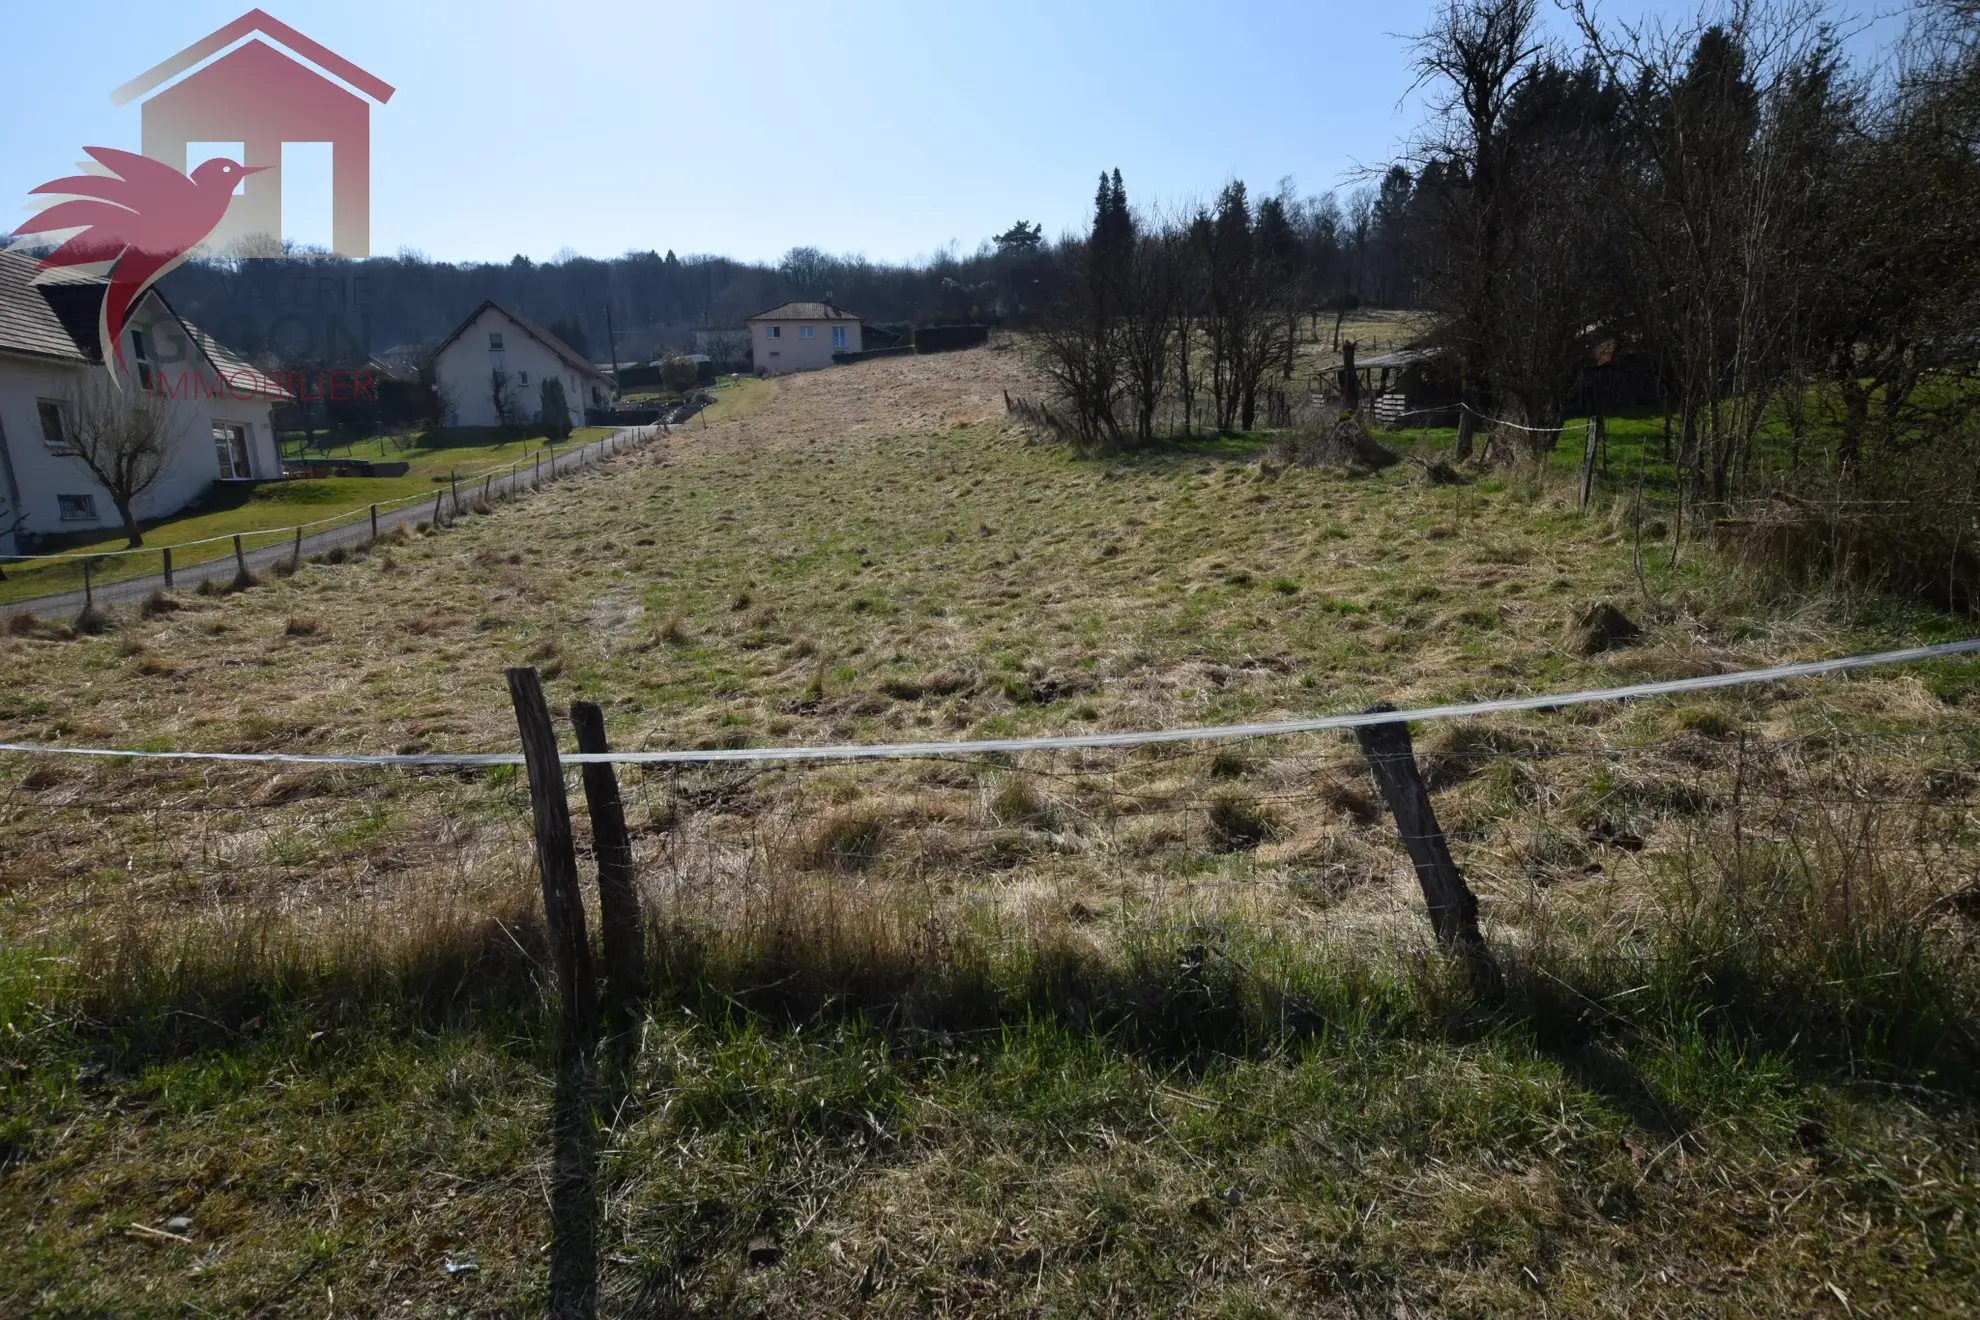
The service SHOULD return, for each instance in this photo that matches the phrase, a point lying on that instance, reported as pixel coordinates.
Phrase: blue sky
(884, 128)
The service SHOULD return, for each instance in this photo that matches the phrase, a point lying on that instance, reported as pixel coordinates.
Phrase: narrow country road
(64, 604)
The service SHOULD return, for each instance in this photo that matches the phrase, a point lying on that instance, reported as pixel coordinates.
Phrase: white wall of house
(801, 345)
(57, 493)
(466, 370)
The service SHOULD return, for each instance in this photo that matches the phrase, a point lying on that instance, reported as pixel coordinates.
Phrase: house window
(494, 341)
(522, 378)
(807, 332)
(838, 336)
(230, 446)
(143, 359)
(54, 425)
(77, 508)
(773, 332)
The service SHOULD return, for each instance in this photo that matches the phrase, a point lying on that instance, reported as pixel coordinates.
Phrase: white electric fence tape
(881, 751)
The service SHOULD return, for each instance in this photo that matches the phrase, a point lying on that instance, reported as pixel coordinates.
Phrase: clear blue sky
(884, 128)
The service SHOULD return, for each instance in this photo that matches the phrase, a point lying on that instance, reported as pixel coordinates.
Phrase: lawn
(1096, 1032)
(270, 509)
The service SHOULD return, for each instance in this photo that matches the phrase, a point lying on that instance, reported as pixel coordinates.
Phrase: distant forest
(307, 310)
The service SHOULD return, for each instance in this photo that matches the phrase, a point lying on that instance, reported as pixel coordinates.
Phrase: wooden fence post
(487, 483)
(295, 555)
(538, 479)
(240, 560)
(374, 524)
(556, 857)
(89, 598)
(623, 931)
(1453, 907)
(437, 496)
(167, 553)
(1588, 448)
(454, 484)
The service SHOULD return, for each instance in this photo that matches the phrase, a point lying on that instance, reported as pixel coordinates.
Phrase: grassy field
(432, 459)
(1087, 1033)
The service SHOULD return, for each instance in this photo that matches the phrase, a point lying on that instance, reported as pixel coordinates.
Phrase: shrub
(678, 374)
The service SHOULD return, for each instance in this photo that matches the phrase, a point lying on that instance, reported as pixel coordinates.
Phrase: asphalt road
(67, 604)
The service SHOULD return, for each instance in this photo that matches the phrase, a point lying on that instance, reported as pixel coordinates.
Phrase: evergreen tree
(556, 410)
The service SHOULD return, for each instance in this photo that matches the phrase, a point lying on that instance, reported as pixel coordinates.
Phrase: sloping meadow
(1162, 1029)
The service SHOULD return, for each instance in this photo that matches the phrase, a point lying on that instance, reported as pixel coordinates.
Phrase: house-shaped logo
(262, 96)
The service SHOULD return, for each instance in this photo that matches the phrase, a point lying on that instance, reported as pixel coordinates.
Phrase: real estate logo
(145, 214)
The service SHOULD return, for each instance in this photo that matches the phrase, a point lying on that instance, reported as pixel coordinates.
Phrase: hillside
(1152, 1031)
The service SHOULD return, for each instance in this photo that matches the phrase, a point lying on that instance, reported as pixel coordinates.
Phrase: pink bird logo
(145, 218)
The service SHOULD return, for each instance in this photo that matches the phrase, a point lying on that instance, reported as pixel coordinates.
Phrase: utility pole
(612, 347)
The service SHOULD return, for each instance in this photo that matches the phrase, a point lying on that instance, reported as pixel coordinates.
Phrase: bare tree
(1475, 59)
(1079, 344)
(1156, 287)
(1722, 199)
(1250, 299)
(123, 437)
(506, 395)
(1077, 348)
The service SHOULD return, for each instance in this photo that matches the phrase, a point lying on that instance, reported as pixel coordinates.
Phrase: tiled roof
(53, 314)
(805, 311)
(28, 323)
(241, 377)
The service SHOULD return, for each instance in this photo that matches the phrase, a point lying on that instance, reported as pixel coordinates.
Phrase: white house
(217, 405)
(801, 336)
(495, 362)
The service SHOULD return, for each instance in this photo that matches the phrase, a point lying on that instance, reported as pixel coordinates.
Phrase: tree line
(1784, 245)
(1791, 241)
(302, 311)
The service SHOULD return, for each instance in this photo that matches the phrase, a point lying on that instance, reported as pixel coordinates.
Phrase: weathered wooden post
(89, 598)
(1588, 449)
(454, 484)
(374, 524)
(240, 560)
(1453, 907)
(556, 857)
(167, 554)
(295, 555)
(537, 480)
(487, 483)
(437, 496)
(623, 930)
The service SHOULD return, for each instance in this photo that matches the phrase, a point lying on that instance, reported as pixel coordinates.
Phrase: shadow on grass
(1186, 997)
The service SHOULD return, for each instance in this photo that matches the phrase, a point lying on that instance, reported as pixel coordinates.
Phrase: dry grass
(1019, 1035)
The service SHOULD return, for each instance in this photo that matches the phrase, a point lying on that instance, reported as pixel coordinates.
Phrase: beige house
(801, 336)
